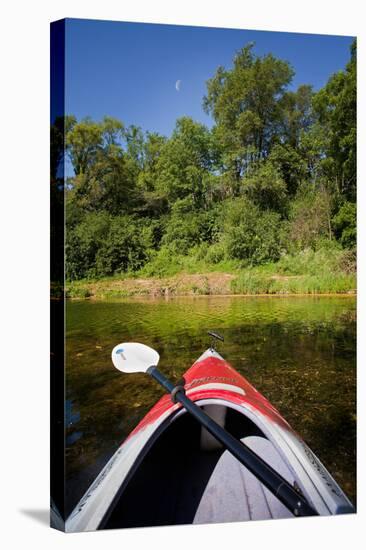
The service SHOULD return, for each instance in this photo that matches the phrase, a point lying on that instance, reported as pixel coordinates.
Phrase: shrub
(330, 260)
(345, 225)
(126, 247)
(310, 218)
(182, 233)
(162, 263)
(186, 229)
(75, 291)
(266, 188)
(250, 234)
(216, 253)
(82, 244)
(103, 244)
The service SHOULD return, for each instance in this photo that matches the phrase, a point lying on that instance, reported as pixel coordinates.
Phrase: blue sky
(129, 70)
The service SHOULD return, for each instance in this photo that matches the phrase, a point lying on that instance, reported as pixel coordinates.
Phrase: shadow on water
(300, 352)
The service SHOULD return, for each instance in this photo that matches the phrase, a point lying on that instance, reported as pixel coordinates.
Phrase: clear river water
(300, 352)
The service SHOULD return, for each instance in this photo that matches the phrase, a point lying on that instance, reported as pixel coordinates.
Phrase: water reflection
(299, 352)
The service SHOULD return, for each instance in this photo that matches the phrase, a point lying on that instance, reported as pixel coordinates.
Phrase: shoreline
(143, 297)
(213, 284)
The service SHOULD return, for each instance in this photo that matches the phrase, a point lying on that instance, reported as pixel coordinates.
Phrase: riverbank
(249, 282)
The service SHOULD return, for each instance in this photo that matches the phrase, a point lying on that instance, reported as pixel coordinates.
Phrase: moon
(177, 85)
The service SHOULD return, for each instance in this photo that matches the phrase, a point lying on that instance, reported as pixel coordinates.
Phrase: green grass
(316, 284)
(310, 262)
(253, 283)
(165, 264)
(250, 282)
(120, 293)
(325, 271)
(77, 290)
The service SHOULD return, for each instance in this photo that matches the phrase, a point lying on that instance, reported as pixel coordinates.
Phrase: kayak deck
(179, 482)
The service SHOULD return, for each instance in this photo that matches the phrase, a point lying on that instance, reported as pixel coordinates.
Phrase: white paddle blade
(134, 357)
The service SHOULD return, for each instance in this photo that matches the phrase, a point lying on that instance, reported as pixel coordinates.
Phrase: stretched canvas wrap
(203, 277)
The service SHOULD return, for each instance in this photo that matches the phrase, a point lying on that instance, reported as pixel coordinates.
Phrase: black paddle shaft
(271, 479)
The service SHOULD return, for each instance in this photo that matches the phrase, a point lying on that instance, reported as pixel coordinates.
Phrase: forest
(269, 189)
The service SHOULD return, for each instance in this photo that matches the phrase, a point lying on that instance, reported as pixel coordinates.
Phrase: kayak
(171, 470)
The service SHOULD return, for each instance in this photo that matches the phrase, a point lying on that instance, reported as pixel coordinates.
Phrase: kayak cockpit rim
(169, 423)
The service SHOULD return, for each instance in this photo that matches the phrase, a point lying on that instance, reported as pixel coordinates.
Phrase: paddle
(133, 357)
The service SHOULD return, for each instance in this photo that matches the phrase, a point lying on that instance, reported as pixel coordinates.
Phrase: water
(300, 352)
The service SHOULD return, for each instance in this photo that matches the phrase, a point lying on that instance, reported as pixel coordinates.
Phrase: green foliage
(266, 188)
(309, 218)
(155, 202)
(83, 243)
(102, 245)
(250, 282)
(184, 163)
(187, 227)
(135, 144)
(108, 186)
(312, 149)
(325, 283)
(163, 263)
(297, 115)
(307, 272)
(77, 291)
(274, 180)
(60, 127)
(290, 165)
(126, 247)
(335, 108)
(83, 141)
(250, 234)
(246, 103)
(345, 225)
(182, 233)
(313, 262)
(216, 253)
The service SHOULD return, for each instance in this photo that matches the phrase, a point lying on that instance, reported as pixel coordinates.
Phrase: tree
(186, 227)
(266, 188)
(83, 141)
(135, 142)
(102, 244)
(108, 185)
(290, 165)
(247, 105)
(297, 115)
(82, 245)
(86, 139)
(335, 108)
(313, 151)
(112, 131)
(126, 247)
(184, 163)
(310, 218)
(345, 225)
(105, 174)
(155, 201)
